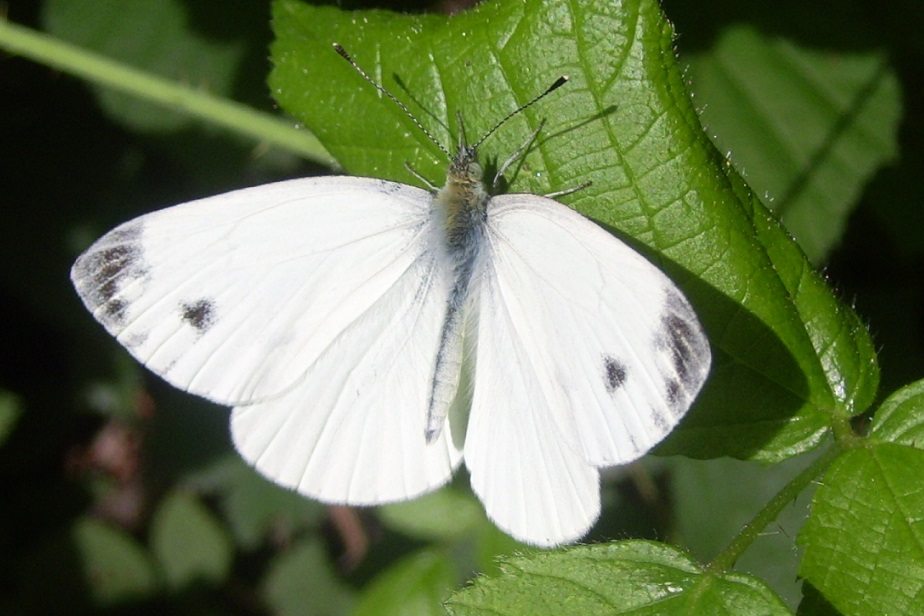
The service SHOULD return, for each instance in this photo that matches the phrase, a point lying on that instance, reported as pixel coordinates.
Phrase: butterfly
(371, 336)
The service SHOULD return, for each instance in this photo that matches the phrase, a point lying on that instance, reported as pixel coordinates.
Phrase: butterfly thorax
(463, 199)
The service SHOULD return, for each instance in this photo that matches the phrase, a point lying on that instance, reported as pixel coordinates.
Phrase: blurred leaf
(808, 128)
(786, 350)
(630, 577)
(189, 542)
(257, 508)
(301, 582)
(85, 567)
(444, 514)
(116, 568)
(864, 540)
(156, 36)
(10, 410)
(414, 586)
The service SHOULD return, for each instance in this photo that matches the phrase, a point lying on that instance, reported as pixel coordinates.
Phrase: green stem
(103, 71)
(729, 556)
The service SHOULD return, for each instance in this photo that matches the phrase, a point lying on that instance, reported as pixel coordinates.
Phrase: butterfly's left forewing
(587, 356)
(313, 306)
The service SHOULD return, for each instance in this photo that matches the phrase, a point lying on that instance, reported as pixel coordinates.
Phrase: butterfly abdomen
(463, 201)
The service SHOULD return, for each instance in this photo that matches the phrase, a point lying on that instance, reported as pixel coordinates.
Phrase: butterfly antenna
(343, 54)
(558, 83)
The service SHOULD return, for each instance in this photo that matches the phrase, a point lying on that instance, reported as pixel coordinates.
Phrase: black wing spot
(614, 372)
(200, 314)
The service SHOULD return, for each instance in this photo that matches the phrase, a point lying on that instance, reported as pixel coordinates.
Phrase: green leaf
(189, 542)
(158, 36)
(789, 359)
(808, 128)
(900, 419)
(301, 582)
(444, 514)
(116, 569)
(415, 585)
(257, 508)
(864, 540)
(630, 577)
(10, 410)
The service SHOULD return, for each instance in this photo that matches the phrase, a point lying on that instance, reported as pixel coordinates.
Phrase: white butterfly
(372, 335)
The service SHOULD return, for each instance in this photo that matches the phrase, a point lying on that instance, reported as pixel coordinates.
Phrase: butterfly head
(463, 197)
(464, 168)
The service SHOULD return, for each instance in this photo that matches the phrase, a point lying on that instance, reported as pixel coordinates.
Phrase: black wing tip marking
(103, 271)
(682, 337)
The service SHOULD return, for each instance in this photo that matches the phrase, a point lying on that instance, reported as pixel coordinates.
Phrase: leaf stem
(45, 49)
(727, 558)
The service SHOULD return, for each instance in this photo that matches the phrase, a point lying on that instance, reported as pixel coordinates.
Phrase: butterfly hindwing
(352, 430)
